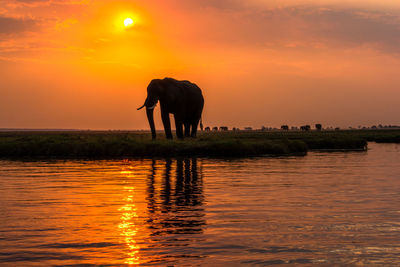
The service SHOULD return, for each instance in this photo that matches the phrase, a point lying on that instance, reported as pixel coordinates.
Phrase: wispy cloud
(34, 26)
(313, 25)
(15, 25)
(36, 3)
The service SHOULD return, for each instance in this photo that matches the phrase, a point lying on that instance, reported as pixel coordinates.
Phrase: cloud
(218, 4)
(37, 3)
(305, 25)
(32, 1)
(11, 25)
(357, 27)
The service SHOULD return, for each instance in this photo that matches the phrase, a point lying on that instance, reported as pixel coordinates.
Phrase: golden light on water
(128, 227)
(129, 231)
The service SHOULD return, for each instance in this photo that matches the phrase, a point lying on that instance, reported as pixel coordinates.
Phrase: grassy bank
(117, 145)
(91, 144)
(338, 140)
(381, 136)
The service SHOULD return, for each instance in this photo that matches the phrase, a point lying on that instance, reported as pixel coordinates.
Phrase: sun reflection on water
(128, 226)
(157, 197)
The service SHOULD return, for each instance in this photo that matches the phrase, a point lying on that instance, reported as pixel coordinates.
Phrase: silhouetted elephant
(285, 127)
(181, 98)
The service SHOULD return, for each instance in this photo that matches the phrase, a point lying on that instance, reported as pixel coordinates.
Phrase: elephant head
(153, 95)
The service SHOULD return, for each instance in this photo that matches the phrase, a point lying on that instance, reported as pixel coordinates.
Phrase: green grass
(92, 144)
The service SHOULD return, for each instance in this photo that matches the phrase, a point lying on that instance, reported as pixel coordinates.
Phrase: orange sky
(73, 64)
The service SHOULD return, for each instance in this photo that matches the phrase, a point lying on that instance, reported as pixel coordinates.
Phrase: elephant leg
(194, 127)
(167, 124)
(179, 127)
(187, 129)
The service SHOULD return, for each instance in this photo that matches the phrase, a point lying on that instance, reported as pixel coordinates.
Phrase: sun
(128, 22)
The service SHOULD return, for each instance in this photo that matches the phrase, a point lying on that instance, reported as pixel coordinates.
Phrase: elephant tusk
(141, 107)
(153, 106)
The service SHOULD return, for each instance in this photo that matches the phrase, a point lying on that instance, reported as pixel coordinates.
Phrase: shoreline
(119, 145)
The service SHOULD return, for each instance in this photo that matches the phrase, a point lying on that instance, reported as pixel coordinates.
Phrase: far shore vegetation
(130, 144)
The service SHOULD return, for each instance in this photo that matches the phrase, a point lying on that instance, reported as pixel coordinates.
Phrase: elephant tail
(201, 123)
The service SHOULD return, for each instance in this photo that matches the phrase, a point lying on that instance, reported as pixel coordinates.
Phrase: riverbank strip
(121, 144)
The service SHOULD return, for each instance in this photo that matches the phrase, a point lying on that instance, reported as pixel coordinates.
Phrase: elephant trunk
(149, 104)
(150, 117)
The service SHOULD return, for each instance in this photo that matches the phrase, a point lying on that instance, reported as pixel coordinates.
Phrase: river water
(323, 209)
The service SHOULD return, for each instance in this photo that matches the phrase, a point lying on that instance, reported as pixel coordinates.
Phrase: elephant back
(186, 88)
(189, 96)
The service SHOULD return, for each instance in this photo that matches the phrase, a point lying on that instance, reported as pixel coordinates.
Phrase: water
(325, 208)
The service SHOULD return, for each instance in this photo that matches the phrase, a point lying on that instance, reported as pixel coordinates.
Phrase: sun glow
(128, 22)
